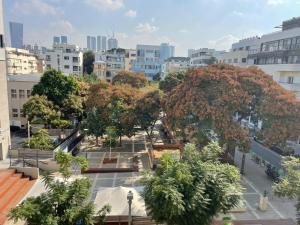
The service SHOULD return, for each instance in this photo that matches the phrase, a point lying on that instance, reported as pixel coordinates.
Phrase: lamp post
(129, 198)
(86, 132)
(133, 144)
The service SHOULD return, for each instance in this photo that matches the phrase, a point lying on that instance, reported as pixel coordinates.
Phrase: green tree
(111, 133)
(171, 81)
(95, 125)
(72, 106)
(39, 108)
(147, 111)
(65, 161)
(191, 191)
(64, 202)
(156, 77)
(56, 86)
(136, 80)
(41, 140)
(88, 62)
(289, 185)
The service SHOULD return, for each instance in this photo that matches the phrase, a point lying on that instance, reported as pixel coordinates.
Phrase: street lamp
(129, 198)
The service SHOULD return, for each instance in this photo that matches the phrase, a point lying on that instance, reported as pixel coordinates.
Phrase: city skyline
(150, 22)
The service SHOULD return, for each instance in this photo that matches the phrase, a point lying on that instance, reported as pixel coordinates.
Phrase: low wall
(46, 165)
(32, 172)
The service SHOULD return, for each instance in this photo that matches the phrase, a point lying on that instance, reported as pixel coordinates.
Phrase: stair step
(4, 174)
(10, 181)
(6, 200)
(19, 196)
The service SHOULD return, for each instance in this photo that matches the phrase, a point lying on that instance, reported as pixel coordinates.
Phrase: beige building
(109, 63)
(4, 118)
(21, 61)
(19, 90)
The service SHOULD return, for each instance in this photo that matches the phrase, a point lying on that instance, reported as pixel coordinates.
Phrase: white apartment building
(19, 89)
(175, 64)
(108, 64)
(21, 61)
(202, 57)
(277, 54)
(4, 112)
(66, 58)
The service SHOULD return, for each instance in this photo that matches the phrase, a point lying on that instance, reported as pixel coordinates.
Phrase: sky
(183, 23)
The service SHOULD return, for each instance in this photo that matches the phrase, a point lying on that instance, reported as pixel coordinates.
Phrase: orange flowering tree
(214, 100)
(115, 106)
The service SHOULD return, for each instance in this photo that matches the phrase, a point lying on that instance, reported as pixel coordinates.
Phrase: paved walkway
(256, 182)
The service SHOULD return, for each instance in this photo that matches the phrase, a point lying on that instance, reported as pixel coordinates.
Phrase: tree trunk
(120, 140)
(243, 164)
(97, 141)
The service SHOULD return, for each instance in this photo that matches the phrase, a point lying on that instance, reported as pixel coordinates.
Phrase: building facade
(112, 43)
(4, 112)
(91, 43)
(175, 64)
(16, 34)
(64, 40)
(202, 57)
(21, 61)
(108, 64)
(149, 59)
(19, 89)
(277, 54)
(66, 58)
(166, 51)
(101, 43)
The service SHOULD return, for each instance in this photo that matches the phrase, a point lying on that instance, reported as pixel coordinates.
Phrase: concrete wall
(4, 116)
(33, 172)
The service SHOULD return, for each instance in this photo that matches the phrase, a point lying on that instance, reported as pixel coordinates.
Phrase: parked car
(272, 173)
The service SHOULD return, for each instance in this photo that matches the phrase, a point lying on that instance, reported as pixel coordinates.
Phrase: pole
(109, 148)
(133, 144)
(28, 133)
(129, 213)
(243, 164)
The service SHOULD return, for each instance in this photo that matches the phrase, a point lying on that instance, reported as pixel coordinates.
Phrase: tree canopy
(147, 111)
(216, 98)
(56, 86)
(41, 140)
(171, 81)
(289, 185)
(191, 191)
(136, 80)
(38, 107)
(88, 62)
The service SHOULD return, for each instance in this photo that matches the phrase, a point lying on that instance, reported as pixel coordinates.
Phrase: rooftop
(33, 77)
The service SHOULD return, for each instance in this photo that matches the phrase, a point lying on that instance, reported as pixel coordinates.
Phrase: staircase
(13, 188)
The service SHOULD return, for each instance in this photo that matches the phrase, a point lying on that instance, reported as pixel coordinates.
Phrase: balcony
(295, 87)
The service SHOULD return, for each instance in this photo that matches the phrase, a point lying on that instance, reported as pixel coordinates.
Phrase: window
(290, 80)
(48, 66)
(244, 60)
(21, 93)
(75, 68)
(235, 60)
(15, 113)
(48, 57)
(66, 66)
(66, 57)
(1, 41)
(75, 59)
(28, 93)
(13, 93)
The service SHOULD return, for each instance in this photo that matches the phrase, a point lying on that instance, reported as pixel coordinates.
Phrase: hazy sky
(184, 23)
